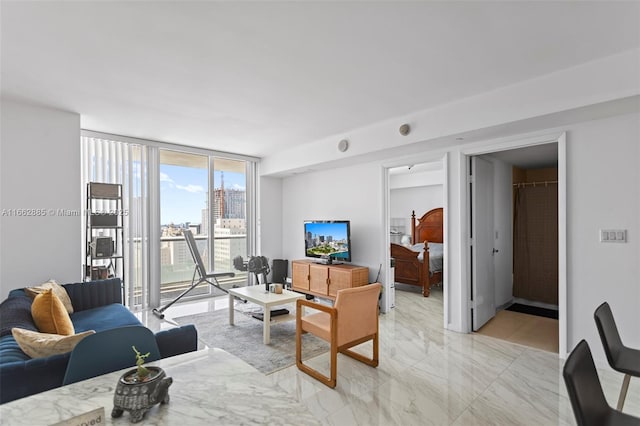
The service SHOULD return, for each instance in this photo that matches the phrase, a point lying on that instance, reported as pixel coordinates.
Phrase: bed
(412, 266)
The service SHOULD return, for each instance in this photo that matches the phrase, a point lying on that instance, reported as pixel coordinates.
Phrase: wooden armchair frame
(344, 348)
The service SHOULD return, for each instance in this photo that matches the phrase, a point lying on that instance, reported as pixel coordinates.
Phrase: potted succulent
(140, 388)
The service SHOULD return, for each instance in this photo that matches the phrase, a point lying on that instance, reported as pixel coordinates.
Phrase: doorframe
(489, 147)
(431, 157)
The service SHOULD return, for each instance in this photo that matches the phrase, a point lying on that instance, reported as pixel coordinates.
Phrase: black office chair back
(608, 333)
(193, 248)
(583, 386)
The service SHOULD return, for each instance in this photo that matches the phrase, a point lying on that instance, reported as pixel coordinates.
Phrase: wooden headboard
(428, 228)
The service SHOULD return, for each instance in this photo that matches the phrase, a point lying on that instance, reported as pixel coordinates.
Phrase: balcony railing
(178, 267)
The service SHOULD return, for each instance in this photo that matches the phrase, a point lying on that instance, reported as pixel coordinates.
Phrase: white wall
(408, 180)
(40, 169)
(602, 157)
(602, 192)
(420, 199)
(350, 193)
(270, 218)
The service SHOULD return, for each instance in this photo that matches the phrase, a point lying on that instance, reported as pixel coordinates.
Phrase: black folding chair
(203, 276)
(621, 358)
(585, 392)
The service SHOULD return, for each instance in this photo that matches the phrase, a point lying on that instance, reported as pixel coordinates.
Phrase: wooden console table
(325, 280)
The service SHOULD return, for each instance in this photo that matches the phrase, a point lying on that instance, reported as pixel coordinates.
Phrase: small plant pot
(138, 396)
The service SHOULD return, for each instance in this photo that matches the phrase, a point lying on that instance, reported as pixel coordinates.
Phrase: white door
(482, 250)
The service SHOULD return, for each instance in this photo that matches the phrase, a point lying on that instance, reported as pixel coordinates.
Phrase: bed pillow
(40, 345)
(57, 289)
(50, 315)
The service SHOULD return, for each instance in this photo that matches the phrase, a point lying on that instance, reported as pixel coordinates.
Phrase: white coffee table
(258, 295)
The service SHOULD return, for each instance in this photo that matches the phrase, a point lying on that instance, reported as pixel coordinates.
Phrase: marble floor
(431, 376)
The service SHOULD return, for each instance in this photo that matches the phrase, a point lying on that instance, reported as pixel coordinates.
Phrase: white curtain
(111, 161)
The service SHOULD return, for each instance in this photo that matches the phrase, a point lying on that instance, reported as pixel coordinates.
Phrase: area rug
(244, 339)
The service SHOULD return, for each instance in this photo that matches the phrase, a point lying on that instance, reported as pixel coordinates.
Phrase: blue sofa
(97, 306)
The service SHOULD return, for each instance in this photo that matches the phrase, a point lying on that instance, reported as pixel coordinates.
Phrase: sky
(183, 192)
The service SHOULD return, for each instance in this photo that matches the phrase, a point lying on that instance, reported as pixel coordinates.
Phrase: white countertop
(209, 386)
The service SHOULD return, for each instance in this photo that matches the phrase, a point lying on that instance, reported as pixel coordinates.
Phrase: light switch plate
(613, 235)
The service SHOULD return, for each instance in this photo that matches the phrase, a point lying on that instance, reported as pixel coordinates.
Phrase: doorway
(514, 245)
(413, 189)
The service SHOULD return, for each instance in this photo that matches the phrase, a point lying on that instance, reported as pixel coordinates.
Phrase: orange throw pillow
(50, 315)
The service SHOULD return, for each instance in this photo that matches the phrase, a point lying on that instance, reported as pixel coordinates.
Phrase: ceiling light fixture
(343, 145)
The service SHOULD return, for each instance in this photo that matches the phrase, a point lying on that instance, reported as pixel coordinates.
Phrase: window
(169, 188)
(187, 184)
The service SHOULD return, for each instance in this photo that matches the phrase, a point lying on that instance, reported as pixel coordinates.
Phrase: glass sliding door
(184, 189)
(207, 195)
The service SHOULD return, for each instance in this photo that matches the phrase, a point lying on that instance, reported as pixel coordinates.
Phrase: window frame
(154, 147)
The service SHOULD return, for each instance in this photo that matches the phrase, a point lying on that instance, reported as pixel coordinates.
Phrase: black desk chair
(200, 270)
(585, 392)
(621, 358)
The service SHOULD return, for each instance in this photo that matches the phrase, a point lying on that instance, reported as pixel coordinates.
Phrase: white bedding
(435, 255)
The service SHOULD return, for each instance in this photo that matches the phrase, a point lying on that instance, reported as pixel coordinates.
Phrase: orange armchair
(352, 320)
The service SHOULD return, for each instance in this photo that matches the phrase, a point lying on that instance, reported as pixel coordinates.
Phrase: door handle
(494, 251)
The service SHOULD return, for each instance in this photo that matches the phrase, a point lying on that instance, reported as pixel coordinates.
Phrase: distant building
(204, 227)
(229, 233)
(231, 206)
(174, 251)
(228, 247)
(171, 230)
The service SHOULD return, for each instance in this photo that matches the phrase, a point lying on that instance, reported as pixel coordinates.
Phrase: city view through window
(185, 204)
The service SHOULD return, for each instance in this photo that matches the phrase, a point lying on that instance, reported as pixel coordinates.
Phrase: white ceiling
(256, 77)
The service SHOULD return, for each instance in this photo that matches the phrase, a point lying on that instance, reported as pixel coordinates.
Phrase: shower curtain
(535, 251)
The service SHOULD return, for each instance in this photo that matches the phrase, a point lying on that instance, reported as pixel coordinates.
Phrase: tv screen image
(329, 239)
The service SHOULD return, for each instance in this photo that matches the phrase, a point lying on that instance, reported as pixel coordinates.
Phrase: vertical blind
(111, 161)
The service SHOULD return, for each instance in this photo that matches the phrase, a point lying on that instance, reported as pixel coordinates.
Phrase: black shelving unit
(104, 234)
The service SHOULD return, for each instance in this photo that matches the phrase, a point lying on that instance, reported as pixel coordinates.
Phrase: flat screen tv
(328, 239)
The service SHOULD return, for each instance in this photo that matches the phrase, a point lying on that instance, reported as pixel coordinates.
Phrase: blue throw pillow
(16, 312)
